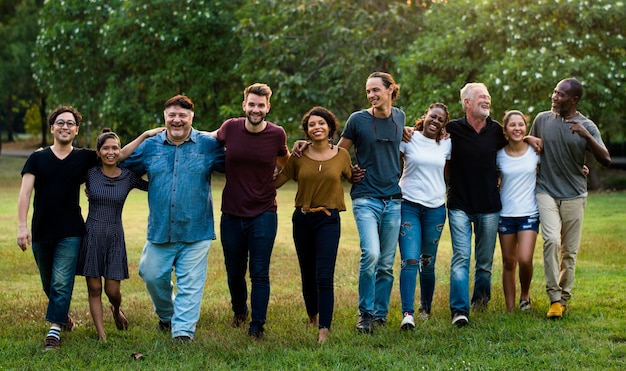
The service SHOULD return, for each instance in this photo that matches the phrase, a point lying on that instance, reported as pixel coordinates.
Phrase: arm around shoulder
(128, 149)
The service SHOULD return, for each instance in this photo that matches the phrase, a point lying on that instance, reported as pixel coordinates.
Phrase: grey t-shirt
(560, 173)
(377, 148)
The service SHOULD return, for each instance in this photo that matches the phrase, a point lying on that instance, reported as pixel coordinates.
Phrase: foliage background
(118, 61)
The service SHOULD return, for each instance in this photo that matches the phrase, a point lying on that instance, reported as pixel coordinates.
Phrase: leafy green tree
(162, 48)
(18, 32)
(520, 50)
(315, 52)
(70, 65)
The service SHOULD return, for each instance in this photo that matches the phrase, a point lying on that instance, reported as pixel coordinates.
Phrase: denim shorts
(514, 224)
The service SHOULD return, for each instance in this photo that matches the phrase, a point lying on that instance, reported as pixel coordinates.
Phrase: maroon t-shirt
(250, 161)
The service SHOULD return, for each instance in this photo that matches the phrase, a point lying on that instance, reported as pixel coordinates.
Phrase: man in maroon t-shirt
(249, 221)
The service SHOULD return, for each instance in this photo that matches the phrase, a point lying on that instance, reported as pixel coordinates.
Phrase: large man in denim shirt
(179, 163)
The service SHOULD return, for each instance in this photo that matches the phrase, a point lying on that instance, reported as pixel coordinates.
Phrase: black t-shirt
(473, 172)
(56, 205)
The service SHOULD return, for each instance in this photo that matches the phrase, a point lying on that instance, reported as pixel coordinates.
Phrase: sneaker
(407, 322)
(556, 310)
(240, 319)
(165, 326)
(69, 324)
(524, 305)
(460, 320)
(423, 314)
(51, 342)
(364, 324)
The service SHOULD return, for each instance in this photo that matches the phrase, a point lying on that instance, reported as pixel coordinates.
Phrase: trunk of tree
(44, 122)
(10, 119)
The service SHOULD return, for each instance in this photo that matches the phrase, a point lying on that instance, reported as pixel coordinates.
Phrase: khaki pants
(561, 227)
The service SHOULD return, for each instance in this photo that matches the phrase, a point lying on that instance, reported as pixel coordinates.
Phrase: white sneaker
(460, 320)
(407, 322)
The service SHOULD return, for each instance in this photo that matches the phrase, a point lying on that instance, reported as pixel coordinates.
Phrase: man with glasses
(376, 134)
(56, 173)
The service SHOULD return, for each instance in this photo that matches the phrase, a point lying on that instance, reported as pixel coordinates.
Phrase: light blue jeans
(485, 228)
(189, 261)
(378, 223)
(57, 261)
(420, 232)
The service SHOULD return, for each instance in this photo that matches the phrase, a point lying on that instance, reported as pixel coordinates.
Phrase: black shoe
(165, 326)
(240, 319)
(256, 332)
(364, 324)
(184, 339)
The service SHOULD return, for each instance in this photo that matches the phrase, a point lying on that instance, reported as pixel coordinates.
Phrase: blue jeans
(316, 237)
(189, 261)
(57, 261)
(378, 223)
(249, 237)
(420, 232)
(485, 229)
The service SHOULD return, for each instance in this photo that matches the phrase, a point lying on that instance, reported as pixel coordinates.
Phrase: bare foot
(120, 319)
(323, 336)
(313, 320)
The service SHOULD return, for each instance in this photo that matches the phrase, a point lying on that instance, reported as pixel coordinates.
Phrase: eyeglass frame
(69, 124)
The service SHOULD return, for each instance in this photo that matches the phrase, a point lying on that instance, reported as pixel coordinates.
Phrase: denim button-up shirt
(179, 193)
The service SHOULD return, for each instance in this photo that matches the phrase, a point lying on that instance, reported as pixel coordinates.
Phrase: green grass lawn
(591, 336)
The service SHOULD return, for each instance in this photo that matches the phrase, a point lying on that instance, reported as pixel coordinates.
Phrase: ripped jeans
(420, 231)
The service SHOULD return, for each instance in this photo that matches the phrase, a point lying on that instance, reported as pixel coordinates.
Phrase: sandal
(120, 321)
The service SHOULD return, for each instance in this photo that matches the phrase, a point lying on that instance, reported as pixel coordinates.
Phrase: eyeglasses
(386, 139)
(61, 123)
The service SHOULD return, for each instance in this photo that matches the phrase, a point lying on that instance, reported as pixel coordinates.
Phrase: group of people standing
(487, 171)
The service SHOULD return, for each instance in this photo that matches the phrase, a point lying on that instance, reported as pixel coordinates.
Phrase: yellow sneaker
(556, 310)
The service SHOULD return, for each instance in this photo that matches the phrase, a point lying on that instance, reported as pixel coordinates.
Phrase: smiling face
(178, 122)
(434, 121)
(64, 128)
(378, 95)
(256, 107)
(563, 102)
(109, 152)
(478, 105)
(515, 128)
(317, 129)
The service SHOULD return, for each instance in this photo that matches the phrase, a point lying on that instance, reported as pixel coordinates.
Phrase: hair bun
(106, 130)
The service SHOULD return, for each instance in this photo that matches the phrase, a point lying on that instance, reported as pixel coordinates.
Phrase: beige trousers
(561, 228)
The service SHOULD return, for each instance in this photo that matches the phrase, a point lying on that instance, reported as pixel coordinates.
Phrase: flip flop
(120, 321)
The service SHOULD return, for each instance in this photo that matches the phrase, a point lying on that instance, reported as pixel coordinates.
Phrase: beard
(255, 120)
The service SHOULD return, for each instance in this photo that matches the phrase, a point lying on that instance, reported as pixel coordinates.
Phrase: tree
(18, 32)
(520, 50)
(160, 49)
(314, 52)
(70, 65)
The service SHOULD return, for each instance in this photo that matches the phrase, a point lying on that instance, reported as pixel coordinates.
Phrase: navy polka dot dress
(103, 251)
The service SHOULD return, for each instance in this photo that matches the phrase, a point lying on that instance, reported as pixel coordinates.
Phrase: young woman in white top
(519, 219)
(423, 211)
